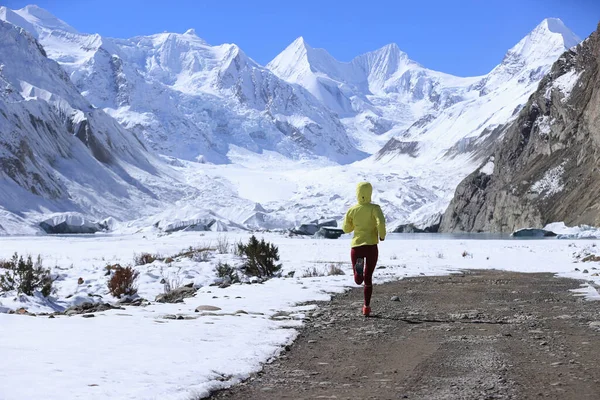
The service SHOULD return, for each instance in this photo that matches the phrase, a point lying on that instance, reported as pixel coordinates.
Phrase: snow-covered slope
(58, 153)
(189, 99)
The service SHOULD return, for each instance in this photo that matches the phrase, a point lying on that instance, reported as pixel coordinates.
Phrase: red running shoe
(359, 271)
(366, 311)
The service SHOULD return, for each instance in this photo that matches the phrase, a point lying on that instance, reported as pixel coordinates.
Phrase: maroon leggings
(370, 253)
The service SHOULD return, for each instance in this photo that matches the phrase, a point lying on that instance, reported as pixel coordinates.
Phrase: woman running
(368, 223)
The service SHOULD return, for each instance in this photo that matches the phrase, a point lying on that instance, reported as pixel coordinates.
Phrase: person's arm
(348, 223)
(380, 219)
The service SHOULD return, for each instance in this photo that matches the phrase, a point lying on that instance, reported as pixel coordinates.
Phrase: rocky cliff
(546, 167)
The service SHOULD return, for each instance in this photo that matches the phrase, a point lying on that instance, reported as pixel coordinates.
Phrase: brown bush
(110, 268)
(122, 282)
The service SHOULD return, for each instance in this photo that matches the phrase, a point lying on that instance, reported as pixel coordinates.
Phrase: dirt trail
(474, 335)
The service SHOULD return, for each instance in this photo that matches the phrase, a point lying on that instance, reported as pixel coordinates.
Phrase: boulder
(207, 308)
(408, 228)
(311, 228)
(328, 222)
(428, 225)
(177, 295)
(308, 229)
(532, 232)
(329, 233)
(88, 308)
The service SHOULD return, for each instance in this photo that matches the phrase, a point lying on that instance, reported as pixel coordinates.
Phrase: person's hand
(381, 239)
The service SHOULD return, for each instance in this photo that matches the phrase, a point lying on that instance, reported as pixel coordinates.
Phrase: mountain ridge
(188, 100)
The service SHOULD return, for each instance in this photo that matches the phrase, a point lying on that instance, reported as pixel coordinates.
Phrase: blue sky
(461, 37)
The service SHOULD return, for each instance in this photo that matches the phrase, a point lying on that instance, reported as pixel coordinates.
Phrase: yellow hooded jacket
(365, 219)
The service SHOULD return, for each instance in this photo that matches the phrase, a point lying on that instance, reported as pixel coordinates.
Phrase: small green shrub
(259, 258)
(25, 276)
(227, 273)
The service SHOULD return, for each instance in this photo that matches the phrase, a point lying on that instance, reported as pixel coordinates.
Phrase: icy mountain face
(57, 152)
(545, 168)
(532, 57)
(189, 99)
(373, 93)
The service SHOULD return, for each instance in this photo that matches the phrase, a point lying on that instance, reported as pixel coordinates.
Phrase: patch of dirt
(473, 335)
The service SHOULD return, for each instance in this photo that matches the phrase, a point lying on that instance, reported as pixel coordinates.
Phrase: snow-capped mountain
(58, 153)
(436, 128)
(545, 168)
(189, 99)
(383, 93)
(282, 137)
(374, 92)
(470, 126)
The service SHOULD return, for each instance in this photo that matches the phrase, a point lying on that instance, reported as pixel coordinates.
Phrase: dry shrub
(145, 258)
(198, 254)
(312, 273)
(335, 270)
(591, 258)
(223, 244)
(171, 281)
(331, 271)
(122, 281)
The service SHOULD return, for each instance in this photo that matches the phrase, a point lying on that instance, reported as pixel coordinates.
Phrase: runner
(368, 223)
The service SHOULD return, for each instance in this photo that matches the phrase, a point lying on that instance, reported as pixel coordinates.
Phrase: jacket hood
(364, 190)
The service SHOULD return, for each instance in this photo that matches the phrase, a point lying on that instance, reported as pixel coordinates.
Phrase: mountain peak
(293, 60)
(299, 47)
(556, 26)
(43, 18)
(544, 44)
(191, 32)
(38, 12)
(300, 43)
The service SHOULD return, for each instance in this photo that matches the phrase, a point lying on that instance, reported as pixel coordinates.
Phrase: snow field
(137, 354)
